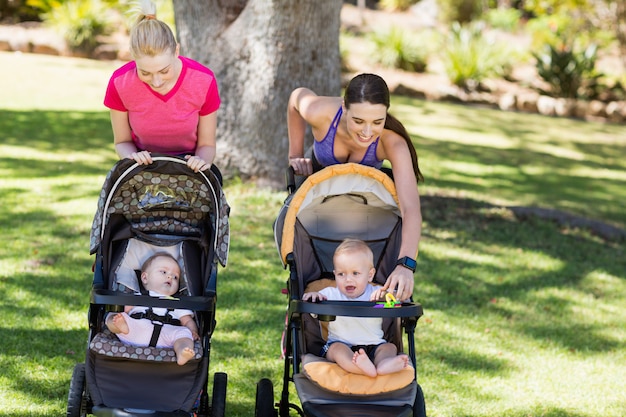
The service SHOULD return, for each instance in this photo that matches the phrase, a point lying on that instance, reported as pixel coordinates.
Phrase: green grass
(522, 317)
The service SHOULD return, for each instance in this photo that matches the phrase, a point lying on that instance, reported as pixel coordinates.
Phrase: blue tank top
(324, 149)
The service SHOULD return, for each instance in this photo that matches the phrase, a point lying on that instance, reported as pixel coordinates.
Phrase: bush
(469, 57)
(398, 48)
(569, 74)
(506, 19)
(396, 5)
(80, 22)
(463, 11)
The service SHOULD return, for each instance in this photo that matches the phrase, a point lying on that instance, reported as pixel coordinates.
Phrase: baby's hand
(313, 296)
(378, 295)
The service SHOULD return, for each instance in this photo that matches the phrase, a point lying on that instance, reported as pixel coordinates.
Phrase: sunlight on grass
(523, 317)
(61, 155)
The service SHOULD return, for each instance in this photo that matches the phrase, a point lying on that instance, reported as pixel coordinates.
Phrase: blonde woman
(162, 102)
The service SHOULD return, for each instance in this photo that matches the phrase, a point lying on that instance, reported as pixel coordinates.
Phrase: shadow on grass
(57, 133)
(520, 174)
(466, 288)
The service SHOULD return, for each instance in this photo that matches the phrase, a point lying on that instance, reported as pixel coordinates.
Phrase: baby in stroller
(160, 276)
(144, 210)
(356, 343)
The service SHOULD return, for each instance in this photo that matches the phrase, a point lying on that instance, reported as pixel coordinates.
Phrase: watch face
(407, 262)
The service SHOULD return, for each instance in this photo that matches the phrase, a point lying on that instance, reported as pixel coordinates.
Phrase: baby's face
(352, 273)
(162, 276)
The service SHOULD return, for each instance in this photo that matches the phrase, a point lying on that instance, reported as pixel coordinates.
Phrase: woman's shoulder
(195, 65)
(127, 67)
(320, 109)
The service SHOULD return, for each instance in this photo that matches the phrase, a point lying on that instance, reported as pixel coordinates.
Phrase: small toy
(390, 302)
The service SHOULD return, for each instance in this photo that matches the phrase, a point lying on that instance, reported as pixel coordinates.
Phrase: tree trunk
(260, 50)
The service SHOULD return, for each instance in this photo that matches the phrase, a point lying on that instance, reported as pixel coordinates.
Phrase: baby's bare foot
(391, 365)
(117, 324)
(185, 355)
(363, 362)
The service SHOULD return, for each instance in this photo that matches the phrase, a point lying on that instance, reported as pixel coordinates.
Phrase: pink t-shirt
(164, 123)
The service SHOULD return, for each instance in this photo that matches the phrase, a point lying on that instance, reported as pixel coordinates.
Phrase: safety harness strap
(158, 322)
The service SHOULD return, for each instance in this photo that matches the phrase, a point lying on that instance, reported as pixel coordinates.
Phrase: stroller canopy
(340, 201)
(164, 196)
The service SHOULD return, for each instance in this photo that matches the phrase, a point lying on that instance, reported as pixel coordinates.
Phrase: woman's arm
(401, 278)
(299, 99)
(123, 141)
(306, 107)
(205, 149)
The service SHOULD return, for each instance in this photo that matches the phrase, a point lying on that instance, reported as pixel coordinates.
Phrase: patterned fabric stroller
(144, 209)
(338, 202)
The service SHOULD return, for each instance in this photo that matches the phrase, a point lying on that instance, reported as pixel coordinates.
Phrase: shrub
(403, 49)
(506, 19)
(80, 22)
(469, 56)
(396, 5)
(569, 74)
(463, 11)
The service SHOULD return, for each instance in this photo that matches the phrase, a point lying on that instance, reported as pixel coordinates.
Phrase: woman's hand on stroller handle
(301, 166)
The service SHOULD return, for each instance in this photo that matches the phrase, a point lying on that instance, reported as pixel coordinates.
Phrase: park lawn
(523, 317)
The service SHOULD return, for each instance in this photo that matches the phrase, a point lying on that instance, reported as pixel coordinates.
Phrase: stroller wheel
(77, 398)
(265, 399)
(218, 404)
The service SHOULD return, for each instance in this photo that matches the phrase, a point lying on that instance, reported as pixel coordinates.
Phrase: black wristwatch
(408, 263)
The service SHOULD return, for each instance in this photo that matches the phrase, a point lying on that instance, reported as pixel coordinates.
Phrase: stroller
(340, 201)
(144, 209)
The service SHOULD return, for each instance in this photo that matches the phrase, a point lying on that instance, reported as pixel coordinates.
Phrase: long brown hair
(371, 88)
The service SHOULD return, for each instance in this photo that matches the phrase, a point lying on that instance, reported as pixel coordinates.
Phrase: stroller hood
(165, 195)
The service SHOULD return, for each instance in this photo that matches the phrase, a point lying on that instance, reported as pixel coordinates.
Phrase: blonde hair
(355, 246)
(150, 36)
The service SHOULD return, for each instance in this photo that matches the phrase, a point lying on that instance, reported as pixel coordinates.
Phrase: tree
(260, 50)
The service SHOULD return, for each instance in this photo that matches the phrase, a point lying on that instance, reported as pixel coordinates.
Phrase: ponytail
(150, 36)
(396, 126)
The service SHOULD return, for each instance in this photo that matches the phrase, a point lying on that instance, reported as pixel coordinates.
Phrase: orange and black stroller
(338, 202)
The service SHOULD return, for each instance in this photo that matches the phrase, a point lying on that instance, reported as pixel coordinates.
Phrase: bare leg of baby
(363, 362)
(117, 323)
(393, 364)
(184, 350)
(350, 361)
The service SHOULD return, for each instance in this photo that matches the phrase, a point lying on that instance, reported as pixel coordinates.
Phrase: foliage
(462, 11)
(399, 48)
(45, 6)
(507, 19)
(396, 5)
(469, 56)
(81, 22)
(556, 29)
(569, 74)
